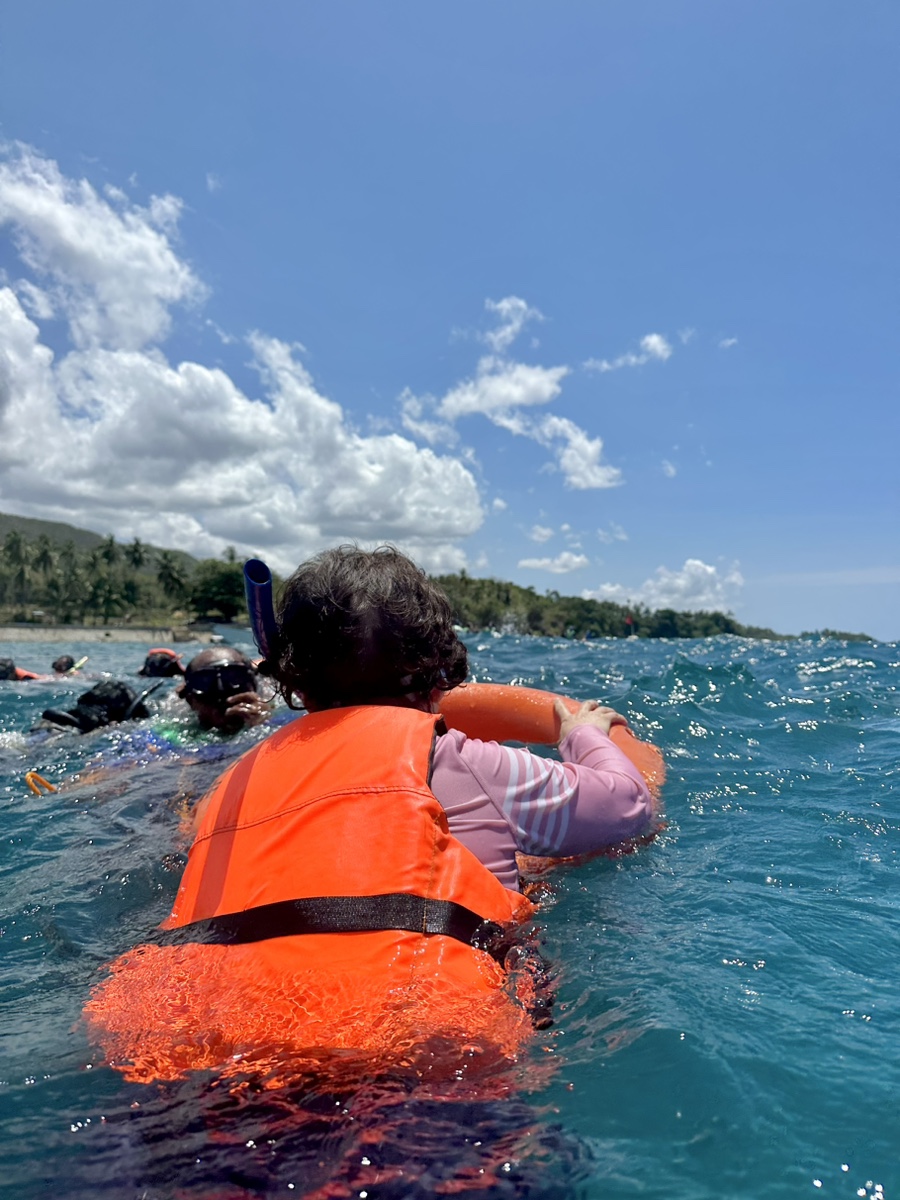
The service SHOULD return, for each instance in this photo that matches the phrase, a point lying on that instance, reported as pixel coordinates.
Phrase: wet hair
(64, 663)
(161, 664)
(361, 625)
(7, 668)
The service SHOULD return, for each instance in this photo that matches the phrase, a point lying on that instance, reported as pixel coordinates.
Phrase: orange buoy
(498, 712)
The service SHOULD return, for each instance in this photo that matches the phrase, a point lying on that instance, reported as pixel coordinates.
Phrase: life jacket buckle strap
(341, 914)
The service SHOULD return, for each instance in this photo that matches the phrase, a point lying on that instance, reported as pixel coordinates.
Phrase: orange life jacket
(325, 904)
(21, 673)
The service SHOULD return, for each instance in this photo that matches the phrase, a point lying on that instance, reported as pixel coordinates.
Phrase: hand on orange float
(591, 712)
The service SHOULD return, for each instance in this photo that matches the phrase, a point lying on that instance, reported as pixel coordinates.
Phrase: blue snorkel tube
(258, 590)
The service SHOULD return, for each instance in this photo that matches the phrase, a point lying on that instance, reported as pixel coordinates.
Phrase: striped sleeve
(595, 798)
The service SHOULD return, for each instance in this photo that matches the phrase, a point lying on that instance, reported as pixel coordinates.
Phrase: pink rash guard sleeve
(500, 800)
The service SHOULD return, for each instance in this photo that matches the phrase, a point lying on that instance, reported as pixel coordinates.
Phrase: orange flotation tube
(497, 712)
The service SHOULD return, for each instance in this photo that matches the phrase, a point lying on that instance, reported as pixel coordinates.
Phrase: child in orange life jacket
(360, 628)
(347, 872)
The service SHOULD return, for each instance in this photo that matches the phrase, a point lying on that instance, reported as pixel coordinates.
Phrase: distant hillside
(84, 574)
(59, 534)
(56, 531)
(55, 573)
(493, 604)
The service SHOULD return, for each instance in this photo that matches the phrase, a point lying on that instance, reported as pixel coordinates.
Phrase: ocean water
(727, 1020)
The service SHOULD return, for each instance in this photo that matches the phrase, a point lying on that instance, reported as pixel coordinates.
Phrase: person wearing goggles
(220, 687)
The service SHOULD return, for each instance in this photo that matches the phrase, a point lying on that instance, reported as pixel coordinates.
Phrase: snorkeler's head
(161, 663)
(211, 679)
(364, 626)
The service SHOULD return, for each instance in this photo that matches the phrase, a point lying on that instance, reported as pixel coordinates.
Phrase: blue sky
(599, 297)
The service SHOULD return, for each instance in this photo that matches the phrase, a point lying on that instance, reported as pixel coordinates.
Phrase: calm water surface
(728, 1017)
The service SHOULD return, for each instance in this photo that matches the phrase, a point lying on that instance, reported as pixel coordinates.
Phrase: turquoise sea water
(728, 1013)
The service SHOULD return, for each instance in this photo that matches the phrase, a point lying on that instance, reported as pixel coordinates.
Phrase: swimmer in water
(161, 663)
(108, 702)
(369, 628)
(368, 828)
(9, 670)
(220, 686)
(66, 664)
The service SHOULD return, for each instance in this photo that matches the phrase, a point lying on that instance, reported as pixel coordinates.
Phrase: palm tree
(68, 556)
(15, 549)
(67, 594)
(43, 560)
(131, 592)
(16, 555)
(92, 565)
(136, 554)
(105, 596)
(66, 590)
(171, 575)
(109, 550)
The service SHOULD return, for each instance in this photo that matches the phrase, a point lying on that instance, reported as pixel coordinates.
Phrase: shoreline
(149, 635)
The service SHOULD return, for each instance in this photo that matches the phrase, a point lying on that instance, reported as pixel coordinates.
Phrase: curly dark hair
(361, 625)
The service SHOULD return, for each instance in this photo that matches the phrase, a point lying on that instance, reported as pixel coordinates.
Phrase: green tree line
(480, 604)
(42, 580)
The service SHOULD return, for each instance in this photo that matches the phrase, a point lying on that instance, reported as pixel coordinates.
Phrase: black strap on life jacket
(340, 914)
(368, 914)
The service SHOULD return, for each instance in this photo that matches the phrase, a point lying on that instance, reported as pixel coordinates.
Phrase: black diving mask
(217, 683)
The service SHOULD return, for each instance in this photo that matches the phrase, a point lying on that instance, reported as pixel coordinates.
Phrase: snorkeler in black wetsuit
(106, 703)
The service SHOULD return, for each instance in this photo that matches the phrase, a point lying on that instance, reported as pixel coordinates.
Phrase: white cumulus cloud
(500, 387)
(696, 587)
(578, 455)
(507, 392)
(178, 453)
(561, 565)
(540, 533)
(504, 391)
(615, 533)
(108, 266)
(35, 300)
(512, 315)
(653, 347)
